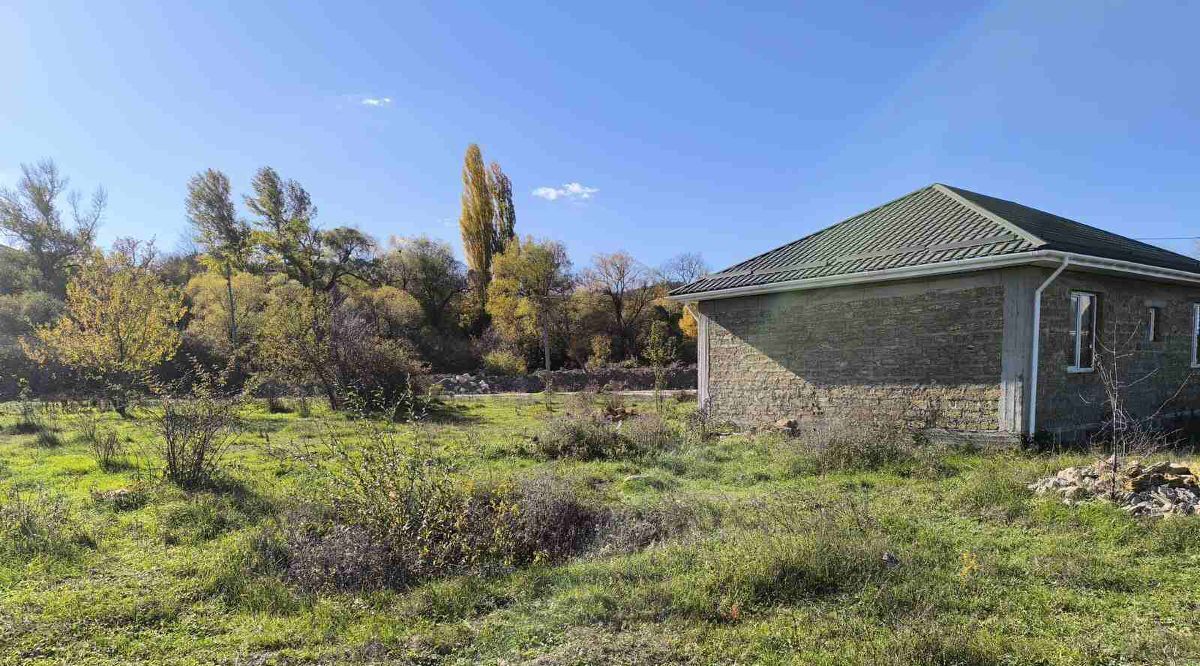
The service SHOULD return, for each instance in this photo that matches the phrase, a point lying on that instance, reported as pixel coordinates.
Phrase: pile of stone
(1143, 489)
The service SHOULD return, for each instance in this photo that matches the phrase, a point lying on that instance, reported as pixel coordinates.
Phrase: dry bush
(550, 521)
(581, 438)
(649, 434)
(197, 430)
(390, 513)
(102, 441)
(862, 442)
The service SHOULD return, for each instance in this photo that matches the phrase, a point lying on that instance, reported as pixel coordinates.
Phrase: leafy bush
(504, 362)
(39, 523)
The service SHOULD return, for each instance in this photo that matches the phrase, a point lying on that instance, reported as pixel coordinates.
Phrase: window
(1083, 331)
(1195, 334)
(1153, 317)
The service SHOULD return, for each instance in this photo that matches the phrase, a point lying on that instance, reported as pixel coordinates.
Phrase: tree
(428, 270)
(530, 284)
(477, 225)
(120, 320)
(505, 223)
(31, 215)
(628, 289)
(224, 238)
(317, 259)
(329, 339)
(210, 314)
(684, 268)
(660, 352)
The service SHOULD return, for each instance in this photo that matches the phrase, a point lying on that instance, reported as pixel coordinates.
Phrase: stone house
(954, 310)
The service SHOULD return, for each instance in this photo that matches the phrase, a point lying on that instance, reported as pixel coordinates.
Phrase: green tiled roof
(935, 224)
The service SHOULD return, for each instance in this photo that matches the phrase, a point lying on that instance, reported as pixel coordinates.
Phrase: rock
(787, 425)
(1157, 490)
(890, 560)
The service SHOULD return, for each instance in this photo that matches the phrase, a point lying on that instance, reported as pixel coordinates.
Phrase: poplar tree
(505, 225)
(477, 224)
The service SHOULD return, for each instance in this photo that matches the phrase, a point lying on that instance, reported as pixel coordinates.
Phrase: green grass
(784, 565)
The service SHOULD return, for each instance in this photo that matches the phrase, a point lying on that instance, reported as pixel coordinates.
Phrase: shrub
(276, 405)
(29, 422)
(649, 434)
(39, 523)
(396, 515)
(47, 439)
(105, 445)
(318, 555)
(196, 431)
(861, 444)
(504, 362)
(108, 450)
(551, 522)
(580, 438)
(601, 352)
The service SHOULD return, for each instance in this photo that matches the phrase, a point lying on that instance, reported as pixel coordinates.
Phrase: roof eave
(1045, 257)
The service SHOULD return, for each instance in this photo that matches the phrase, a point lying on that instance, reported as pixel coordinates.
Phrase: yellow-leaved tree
(531, 282)
(120, 321)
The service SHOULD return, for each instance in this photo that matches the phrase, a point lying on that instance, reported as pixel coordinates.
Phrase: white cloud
(376, 101)
(570, 192)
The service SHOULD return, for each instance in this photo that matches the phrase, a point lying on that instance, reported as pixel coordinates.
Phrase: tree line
(274, 295)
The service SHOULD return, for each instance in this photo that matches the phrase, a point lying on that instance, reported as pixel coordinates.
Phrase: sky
(707, 128)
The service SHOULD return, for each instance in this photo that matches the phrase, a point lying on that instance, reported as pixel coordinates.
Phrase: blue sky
(707, 128)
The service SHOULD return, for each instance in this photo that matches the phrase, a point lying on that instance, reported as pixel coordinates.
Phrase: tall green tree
(32, 215)
(428, 270)
(290, 242)
(477, 224)
(505, 223)
(224, 238)
(530, 286)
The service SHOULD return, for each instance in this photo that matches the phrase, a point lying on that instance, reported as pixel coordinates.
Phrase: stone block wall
(1073, 403)
(927, 351)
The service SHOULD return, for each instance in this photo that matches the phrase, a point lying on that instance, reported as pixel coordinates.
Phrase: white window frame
(1076, 330)
(1195, 333)
(1152, 323)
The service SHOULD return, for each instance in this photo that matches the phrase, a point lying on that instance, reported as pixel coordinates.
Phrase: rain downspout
(701, 355)
(1031, 418)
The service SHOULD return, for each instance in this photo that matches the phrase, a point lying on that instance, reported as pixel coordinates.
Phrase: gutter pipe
(1031, 417)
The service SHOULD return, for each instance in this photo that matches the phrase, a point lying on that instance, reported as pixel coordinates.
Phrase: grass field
(772, 557)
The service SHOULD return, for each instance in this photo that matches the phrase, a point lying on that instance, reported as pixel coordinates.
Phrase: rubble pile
(1143, 489)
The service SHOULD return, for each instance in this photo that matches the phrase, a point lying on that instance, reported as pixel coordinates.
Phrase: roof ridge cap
(1014, 228)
